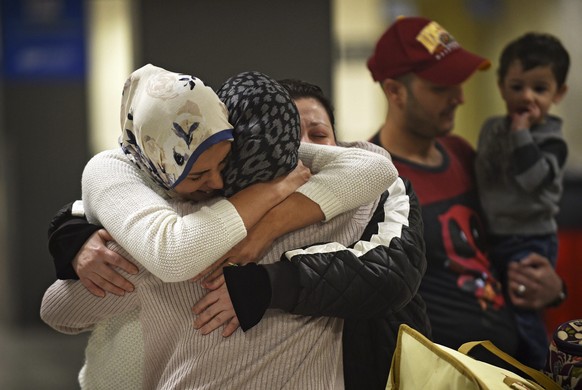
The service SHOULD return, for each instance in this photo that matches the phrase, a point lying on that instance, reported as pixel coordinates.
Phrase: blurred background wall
(64, 63)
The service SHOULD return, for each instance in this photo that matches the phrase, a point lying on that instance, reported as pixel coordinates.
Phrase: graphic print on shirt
(463, 233)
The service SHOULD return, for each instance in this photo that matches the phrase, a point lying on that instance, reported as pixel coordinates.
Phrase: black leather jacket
(374, 292)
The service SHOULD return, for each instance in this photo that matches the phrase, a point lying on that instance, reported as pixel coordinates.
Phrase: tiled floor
(39, 359)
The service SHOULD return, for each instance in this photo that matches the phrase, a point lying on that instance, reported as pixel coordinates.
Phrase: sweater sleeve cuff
(232, 220)
(65, 243)
(285, 285)
(250, 292)
(328, 203)
(522, 137)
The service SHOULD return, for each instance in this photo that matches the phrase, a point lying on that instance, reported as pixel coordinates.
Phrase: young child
(519, 166)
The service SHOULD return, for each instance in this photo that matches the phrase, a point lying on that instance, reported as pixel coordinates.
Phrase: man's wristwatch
(561, 297)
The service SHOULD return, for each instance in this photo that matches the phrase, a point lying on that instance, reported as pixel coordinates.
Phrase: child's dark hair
(536, 49)
(299, 89)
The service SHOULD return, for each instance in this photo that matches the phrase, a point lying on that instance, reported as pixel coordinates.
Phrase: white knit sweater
(283, 351)
(135, 211)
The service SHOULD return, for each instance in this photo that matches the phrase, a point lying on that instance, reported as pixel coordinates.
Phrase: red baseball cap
(423, 47)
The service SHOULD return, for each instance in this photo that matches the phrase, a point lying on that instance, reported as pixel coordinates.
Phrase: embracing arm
(367, 173)
(177, 248)
(344, 179)
(79, 251)
(378, 276)
(326, 194)
(138, 216)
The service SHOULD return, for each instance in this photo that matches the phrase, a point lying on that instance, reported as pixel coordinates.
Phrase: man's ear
(394, 90)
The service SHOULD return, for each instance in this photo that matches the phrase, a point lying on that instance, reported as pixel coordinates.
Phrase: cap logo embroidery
(437, 40)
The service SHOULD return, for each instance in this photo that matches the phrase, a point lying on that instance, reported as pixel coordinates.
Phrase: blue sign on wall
(43, 39)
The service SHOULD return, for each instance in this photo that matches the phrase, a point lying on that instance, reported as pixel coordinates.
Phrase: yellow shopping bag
(419, 363)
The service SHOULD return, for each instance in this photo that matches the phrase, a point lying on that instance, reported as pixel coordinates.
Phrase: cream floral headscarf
(168, 120)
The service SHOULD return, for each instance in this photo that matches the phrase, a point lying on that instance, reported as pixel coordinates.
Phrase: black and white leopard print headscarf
(267, 130)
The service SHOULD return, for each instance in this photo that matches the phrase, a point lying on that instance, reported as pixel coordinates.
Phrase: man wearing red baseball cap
(423, 47)
(420, 67)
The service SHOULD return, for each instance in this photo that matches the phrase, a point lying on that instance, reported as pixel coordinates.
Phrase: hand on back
(98, 267)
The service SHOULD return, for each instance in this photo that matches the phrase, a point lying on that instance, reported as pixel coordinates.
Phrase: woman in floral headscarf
(128, 194)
